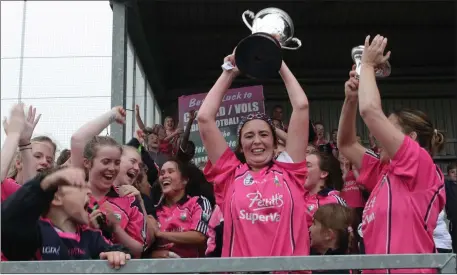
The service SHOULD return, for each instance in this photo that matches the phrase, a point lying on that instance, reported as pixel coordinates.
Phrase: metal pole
(21, 60)
(119, 63)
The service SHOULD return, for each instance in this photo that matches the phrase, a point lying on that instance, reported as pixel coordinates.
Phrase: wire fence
(444, 263)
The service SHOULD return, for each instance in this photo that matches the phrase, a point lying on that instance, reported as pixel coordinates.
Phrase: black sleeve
(152, 174)
(100, 244)
(21, 212)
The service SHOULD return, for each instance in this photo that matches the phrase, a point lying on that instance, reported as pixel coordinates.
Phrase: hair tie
(350, 229)
(435, 131)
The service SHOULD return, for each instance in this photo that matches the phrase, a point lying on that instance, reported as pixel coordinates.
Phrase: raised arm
(138, 119)
(371, 111)
(91, 129)
(13, 130)
(347, 140)
(212, 138)
(25, 147)
(298, 130)
(185, 137)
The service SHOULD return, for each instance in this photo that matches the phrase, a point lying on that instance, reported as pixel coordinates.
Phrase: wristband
(27, 148)
(25, 144)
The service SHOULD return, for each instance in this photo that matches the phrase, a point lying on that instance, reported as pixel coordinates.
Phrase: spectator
(332, 233)
(451, 202)
(182, 211)
(62, 197)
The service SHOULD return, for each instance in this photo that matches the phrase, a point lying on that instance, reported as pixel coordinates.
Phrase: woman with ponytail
(407, 188)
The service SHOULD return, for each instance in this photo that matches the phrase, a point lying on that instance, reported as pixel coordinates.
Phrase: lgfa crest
(248, 180)
(117, 216)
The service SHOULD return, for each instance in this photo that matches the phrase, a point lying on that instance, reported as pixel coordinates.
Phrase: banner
(236, 103)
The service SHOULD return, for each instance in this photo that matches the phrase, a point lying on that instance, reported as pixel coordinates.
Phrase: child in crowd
(47, 219)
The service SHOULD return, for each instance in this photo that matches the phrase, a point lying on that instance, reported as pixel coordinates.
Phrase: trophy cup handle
(297, 41)
(251, 15)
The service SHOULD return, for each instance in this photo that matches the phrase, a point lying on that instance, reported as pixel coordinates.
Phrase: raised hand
(231, 58)
(16, 123)
(351, 87)
(118, 115)
(192, 114)
(373, 54)
(129, 191)
(67, 176)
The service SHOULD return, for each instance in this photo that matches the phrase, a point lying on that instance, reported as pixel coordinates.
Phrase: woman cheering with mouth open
(262, 199)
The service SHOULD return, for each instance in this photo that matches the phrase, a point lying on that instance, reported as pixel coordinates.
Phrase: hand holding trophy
(374, 55)
(259, 55)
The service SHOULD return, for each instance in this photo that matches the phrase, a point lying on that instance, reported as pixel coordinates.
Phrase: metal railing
(445, 263)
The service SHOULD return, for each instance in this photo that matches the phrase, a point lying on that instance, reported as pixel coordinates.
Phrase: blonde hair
(12, 172)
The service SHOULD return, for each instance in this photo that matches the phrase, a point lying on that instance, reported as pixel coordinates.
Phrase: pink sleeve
(136, 227)
(9, 186)
(201, 214)
(296, 171)
(222, 174)
(412, 162)
(370, 170)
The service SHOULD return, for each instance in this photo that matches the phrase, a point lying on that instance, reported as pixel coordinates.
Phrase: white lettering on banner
(259, 203)
(238, 96)
(254, 217)
(242, 108)
(51, 250)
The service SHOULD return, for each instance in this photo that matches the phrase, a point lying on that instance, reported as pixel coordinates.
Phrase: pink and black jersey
(406, 199)
(27, 237)
(129, 213)
(214, 243)
(351, 191)
(188, 214)
(323, 197)
(9, 186)
(263, 210)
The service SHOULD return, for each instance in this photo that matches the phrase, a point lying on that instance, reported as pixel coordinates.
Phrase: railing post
(119, 63)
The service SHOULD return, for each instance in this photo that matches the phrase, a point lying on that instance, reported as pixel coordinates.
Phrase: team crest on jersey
(248, 180)
(310, 208)
(276, 180)
(183, 216)
(118, 216)
(205, 217)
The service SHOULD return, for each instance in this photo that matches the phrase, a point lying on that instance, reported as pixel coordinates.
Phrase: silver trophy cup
(260, 54)
(381, 71)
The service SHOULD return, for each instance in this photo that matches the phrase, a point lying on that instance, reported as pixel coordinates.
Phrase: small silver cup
(381, 71)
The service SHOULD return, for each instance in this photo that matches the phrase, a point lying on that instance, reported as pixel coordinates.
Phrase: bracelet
(112, 118)
(27, 148)
(25, 144)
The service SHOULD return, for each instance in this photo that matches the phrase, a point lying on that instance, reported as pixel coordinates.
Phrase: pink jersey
(9, 186)
(263, 210)
(351, 191)
(128, 211)
(402, 211)
(216, 219)
(188, 214)
(323, 197)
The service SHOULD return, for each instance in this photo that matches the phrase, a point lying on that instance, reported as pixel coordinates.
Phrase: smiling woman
(182, 211)
(259, 196)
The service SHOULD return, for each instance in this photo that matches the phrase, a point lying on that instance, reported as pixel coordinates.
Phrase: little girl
(333, 232)
(47, 219)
